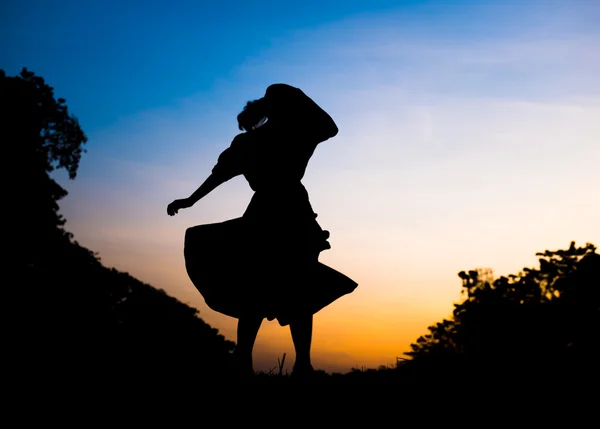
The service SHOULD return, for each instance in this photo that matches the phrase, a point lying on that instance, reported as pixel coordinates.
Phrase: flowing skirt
(241, 273)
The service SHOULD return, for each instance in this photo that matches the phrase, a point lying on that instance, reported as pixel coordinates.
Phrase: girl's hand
(174, 207)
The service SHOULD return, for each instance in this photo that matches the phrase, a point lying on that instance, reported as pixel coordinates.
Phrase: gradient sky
(469, 138)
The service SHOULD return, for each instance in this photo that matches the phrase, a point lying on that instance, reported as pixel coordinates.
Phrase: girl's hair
(253, 112)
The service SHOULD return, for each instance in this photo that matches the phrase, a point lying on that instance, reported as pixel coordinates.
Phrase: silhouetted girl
(264, 264)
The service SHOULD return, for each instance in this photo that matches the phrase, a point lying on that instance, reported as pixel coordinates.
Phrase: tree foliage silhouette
(68, 315)
(524, 324)
(42, 136)
(49, 133)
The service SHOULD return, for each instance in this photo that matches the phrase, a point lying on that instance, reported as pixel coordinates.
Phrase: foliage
(42, 136)
(541, 318)
(70, 316)
(47, 132)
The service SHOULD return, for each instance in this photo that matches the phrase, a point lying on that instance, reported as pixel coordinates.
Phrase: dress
(265, 263)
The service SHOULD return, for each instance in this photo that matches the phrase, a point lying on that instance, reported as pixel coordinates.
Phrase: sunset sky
(469, 138)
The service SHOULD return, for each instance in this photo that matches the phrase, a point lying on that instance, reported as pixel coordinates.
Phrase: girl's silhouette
(264, 264)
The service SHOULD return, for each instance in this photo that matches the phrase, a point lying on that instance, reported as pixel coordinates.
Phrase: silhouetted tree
(40, 136)
(67, 315)
(540, 320)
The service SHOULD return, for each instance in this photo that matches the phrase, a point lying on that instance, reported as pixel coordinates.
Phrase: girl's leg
(301, 330)
(247, 331)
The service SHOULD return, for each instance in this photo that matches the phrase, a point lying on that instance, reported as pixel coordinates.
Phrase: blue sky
(112, 58)
(468, 138)
(129, 56)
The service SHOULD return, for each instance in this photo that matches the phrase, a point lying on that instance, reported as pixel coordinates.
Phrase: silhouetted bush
(528, 326)
(68, 315)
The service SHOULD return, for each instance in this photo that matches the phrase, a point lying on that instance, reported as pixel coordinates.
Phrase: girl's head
(253, 114)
